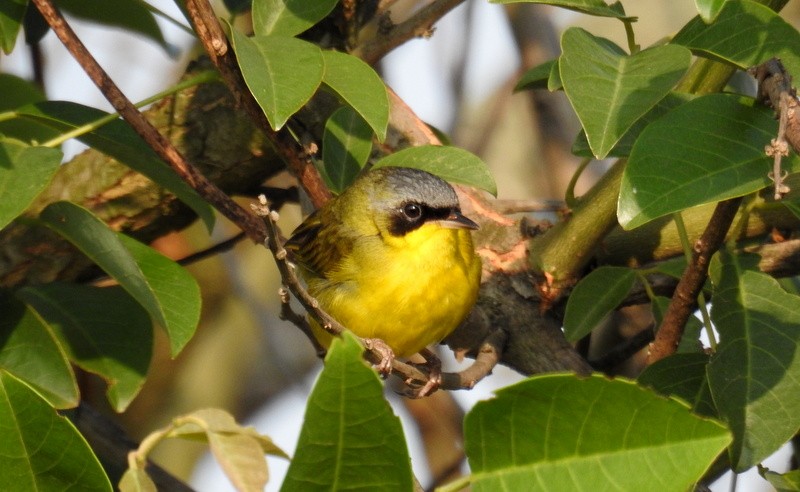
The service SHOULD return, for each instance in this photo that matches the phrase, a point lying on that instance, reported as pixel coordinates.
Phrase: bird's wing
(318, 248)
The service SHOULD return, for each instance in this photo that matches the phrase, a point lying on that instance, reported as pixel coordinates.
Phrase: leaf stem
(631, 36)
(569, 197)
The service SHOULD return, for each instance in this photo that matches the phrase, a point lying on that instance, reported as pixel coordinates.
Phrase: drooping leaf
(360, 87)
(18, 92)
(281, 72)
(609, 89)
(41, 449)
(537, 77)
(346, 146)
(597, 8)
(89, 323)
(755, 374)
(288, 17)
(24, 172)
(783, 482)
(449, 163)
(558, 432)
(350, 436)
(11, 16)
(708, 9)
(594, 297)
(707, 150)
(145, 275)
(118, 140)
(131, 15)
(29, 350)
(682, 375)
(744, 34)
(137, 480)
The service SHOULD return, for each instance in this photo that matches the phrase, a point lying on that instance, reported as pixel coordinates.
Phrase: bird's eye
(412, 211)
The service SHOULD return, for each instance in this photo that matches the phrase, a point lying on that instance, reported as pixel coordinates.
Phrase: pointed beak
(457, 221)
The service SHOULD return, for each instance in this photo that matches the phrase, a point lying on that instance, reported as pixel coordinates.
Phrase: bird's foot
(386, 354)
(434, 366)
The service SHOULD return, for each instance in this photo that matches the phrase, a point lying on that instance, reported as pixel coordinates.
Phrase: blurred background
(261, 369)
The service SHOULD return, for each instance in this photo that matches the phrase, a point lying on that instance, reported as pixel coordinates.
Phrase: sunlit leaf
(24, 172)
(592, 7)
(288, 17)
(708, 9)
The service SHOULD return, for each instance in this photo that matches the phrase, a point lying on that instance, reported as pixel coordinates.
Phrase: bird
(391, 258)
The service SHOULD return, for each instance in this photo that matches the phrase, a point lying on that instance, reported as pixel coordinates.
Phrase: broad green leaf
(682, 375)
(281, 72)
(595, 296)
(786, 482)
(708, 9)
(118, 140)
(559, 432)
(24, 172)
(11, 15)
(707, 150)
(89, 322)
(16, 93)
(29, 350)
(592, 7)
(690, 341)
(346, 146)
(131, 15)
(449, 163)
(609, 89)
(537, 77)
(41, 449)
(350, 437)
(147, 276)
(625, 145)
(744, 34)
(288, 17)
(137, 480)
(360, 87)
(755, 374)
(176, 289)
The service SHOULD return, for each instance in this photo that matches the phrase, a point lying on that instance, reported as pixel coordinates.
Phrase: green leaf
(786, 482)
(148, 277)
(449, 163)
(558, 432)
(11, 15)
(595, 296)
(281, 72)
(24, 172)
(118, 140)
(29, 350)
(625, 145)
(346, 146)
(137, 480)
(708, 9)
(610, 90)
(350, 437)
(743, 34)
(41, 449)
(18, 92)
(89, 322)
(755, 374)
(682, 375)
(707, 150)
(592, 7)
(537, 77)
(360, 87)
(130, 15)
(288, 17)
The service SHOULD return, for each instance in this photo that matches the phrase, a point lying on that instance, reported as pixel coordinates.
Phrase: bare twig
(684, 299)
(160, 144)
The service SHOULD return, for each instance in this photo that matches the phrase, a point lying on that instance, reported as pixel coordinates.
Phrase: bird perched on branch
(391, 258)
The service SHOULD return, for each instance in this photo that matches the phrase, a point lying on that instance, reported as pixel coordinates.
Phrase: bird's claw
(434, 366)
(386, 354)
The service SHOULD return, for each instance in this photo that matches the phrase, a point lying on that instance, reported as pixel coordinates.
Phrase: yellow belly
(410, 292)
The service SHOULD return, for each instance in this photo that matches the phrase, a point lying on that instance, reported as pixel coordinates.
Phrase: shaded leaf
(558, 432)
(346, 146)
(41, 449)
(281, 72)
(537, 77)
(682, 375)
(755, 374)
(360, 86)
(744, 34)
(24, 172)
(131, 15)
(118, 140)
(708, 9)
(11, 16)
(594, 297)
(783, 482)
(707, 150)
(288, 17)
(29, 351)
(592, 7)
(16, 93)
(89, 322)
(350, 437)
(609, 89)
(449, 163)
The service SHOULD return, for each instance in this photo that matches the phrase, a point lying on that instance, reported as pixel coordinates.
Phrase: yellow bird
(391, 258)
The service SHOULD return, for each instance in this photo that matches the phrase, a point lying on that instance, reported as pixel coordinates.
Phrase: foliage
(557, 431)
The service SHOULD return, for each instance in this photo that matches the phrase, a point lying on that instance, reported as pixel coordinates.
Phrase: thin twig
(685, 297)
(218, 248)
(160, 144)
